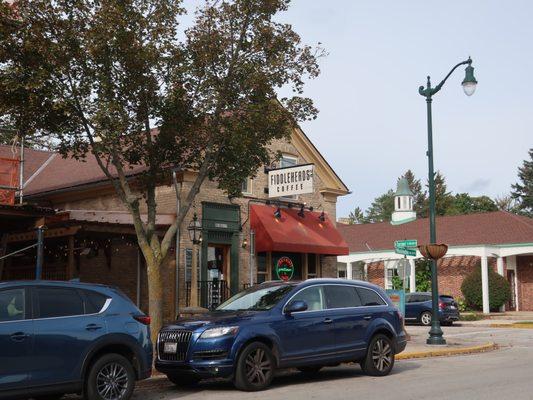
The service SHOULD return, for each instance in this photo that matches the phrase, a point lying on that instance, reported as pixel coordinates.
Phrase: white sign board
(290, 181)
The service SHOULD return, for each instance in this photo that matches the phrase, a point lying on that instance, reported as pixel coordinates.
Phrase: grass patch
(471, 317)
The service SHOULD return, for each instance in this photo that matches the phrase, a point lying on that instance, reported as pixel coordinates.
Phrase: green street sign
(405, 251)
(405, 243)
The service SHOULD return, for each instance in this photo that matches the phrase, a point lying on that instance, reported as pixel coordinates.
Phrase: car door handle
(367, 317)
(328, 321)
(19, 336)
(93, 327)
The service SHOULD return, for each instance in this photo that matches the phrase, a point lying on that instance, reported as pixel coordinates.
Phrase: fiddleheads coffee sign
(290, 181)
(285, 269)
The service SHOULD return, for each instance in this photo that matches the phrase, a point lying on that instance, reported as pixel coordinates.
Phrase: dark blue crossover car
(306, 325)
(418, 308)
(65, 337)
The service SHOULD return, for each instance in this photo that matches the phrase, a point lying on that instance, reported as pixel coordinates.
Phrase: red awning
(292, 233)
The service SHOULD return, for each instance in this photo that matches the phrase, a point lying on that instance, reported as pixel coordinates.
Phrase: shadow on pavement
(283, 378)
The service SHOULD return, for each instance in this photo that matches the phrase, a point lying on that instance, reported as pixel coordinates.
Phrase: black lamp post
(195, 234)
(469, 86)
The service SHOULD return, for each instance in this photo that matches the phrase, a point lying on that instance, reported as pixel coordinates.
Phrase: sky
(372, 122)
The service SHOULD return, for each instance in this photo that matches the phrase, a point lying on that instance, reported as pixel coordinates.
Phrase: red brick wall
(524, 266)
(376, 273)
(452, 272)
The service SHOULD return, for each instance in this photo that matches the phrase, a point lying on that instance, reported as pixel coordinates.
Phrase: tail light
(442, 305)
(400, 318)
(143, 319)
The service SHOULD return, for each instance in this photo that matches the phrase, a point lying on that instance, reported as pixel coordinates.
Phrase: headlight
(217, 332)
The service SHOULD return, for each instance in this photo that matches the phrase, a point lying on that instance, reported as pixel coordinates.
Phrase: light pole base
(435, 335)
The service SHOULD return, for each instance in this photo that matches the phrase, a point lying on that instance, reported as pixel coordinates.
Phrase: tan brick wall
(123, 272)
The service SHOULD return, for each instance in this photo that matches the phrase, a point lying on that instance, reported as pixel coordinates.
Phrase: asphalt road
(503, 374)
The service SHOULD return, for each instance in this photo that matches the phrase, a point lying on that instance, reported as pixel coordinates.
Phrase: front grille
(210, 354)
(181, 337)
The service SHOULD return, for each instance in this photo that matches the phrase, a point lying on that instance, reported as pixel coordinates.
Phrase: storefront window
(287, 266)
(312, 267)
(262, 270)
(188, 265)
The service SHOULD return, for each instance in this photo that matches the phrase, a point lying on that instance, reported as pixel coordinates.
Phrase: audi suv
(306, 325)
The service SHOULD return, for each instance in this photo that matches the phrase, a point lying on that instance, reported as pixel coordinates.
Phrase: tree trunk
(155, 296)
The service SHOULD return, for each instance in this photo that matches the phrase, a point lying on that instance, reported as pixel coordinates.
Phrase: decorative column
(349, 273)
(485, 284)
(499, 267)
(412, 277)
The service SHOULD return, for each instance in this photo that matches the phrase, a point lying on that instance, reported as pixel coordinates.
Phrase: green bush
(499, 290)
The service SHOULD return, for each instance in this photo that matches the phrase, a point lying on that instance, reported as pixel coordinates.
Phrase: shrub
(499, 290)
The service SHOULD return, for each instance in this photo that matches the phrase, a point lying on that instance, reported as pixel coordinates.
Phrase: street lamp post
(469, 86)
(195, 234)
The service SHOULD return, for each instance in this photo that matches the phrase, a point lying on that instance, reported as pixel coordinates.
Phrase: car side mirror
(295, 306)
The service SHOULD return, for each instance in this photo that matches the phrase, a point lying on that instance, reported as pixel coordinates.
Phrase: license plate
(170, 348)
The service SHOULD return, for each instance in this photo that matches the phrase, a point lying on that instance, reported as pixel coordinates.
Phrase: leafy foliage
(422, 275)
(523, 190)
(381, 208)
(463, 203)
(356, 216)
(113, 80)
(499, 289)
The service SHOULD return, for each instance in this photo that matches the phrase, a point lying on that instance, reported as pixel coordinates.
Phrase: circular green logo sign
(285, 269)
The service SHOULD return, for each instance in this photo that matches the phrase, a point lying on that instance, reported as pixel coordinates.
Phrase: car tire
(310, 370)
(379, 358)
(255, 367)
(446, 323)
(183, 380)
(111, 377)
(425, 318)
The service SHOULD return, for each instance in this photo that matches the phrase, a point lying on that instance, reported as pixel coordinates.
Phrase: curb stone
(447, 352)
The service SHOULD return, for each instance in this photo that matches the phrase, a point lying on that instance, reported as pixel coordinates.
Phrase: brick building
(498, 240)
(91, 236)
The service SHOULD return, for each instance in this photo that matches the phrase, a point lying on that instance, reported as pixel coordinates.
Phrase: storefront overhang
(293, 233)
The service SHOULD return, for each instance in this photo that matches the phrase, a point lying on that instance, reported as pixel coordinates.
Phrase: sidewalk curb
(514, 326)
(447, 352)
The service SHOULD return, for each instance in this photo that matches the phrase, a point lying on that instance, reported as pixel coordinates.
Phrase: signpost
(406, 247)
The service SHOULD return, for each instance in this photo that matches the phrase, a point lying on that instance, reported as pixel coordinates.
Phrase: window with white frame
(288, 161)
(341, 270)
(391, 271)
(246, 188)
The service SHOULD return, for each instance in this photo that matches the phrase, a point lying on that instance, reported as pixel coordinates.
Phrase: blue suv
(418, 308)
(307, 325)
(65, 337)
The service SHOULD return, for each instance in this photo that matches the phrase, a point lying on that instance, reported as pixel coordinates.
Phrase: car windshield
(259, 299)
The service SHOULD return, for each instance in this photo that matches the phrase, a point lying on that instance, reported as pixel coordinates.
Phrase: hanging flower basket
(433, 251)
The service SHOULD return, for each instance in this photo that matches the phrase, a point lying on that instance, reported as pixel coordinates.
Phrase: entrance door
(218, 273)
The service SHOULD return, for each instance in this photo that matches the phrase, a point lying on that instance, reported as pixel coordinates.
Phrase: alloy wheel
(258, 367)
(112, 381)
(382, 355)
(426, 318)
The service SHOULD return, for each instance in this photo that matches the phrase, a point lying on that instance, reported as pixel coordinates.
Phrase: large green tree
(443, 198)
(523, 190)
(463, 203)
(419, 196)
(99, 76)
(381, 208)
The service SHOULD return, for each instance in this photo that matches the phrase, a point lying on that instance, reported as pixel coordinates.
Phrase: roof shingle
(498, 227)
